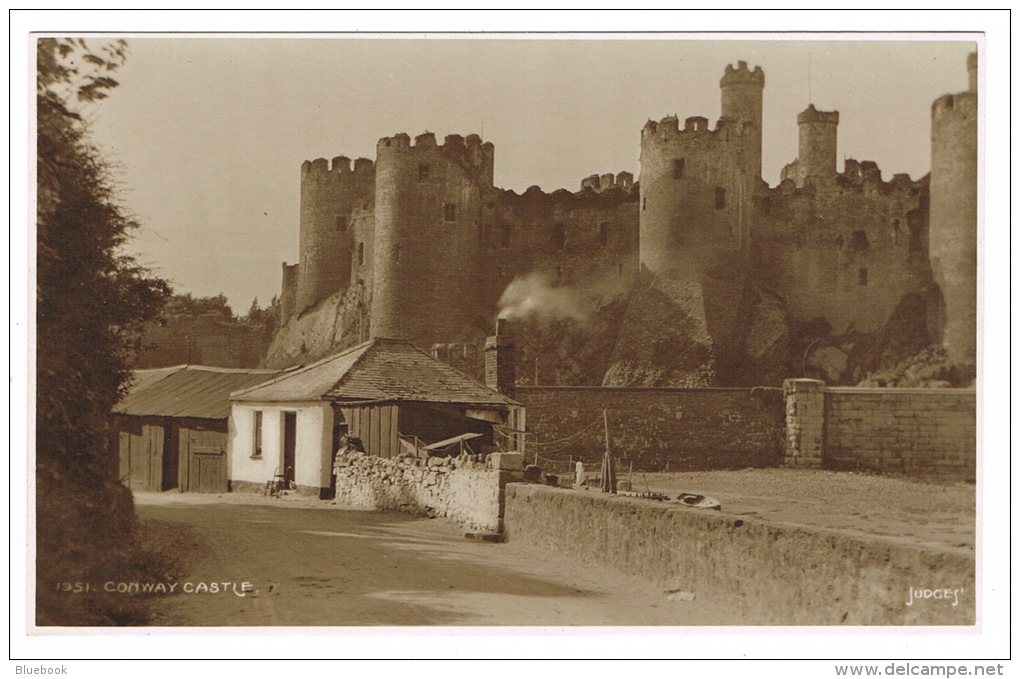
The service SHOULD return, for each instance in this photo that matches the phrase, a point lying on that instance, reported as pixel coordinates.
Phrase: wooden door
(206, 459)
(289, 445)
(144, 456)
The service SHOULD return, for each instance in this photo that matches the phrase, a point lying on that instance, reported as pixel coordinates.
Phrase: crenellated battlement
(340, 165)
(813, 115)
(668, 129)
(624, 181)
(857, 175)
(740, 74)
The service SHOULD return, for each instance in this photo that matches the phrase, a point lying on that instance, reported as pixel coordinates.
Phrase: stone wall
(461, 489)
(924, 433)
(782, 574)
(658, 428)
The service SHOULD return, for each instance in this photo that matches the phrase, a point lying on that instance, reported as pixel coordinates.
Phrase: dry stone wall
(461, 489)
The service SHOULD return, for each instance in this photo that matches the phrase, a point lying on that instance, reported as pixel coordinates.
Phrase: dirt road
(314, 564)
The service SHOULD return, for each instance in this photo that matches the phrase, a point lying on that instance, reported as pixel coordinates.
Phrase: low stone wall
(784, 574)
(462, 489)
(923, 433)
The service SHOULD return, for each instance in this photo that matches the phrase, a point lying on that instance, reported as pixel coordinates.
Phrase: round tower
(953, 213)
(742, 93)
(816, 156)
(428, 208)
(328, 195)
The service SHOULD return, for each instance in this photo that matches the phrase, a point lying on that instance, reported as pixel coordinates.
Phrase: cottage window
(450, 212)
(256, 438)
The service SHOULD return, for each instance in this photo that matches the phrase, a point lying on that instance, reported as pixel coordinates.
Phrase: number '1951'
(74, 587)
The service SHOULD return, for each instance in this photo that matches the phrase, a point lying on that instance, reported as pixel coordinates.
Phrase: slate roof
(187, 391)
(379, 370)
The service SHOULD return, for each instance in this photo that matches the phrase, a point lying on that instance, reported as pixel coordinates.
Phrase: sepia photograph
(405, 333)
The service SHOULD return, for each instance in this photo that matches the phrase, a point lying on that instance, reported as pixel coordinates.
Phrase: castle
(712, 274)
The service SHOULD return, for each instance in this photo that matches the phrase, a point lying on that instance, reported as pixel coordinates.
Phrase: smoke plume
(533, 296)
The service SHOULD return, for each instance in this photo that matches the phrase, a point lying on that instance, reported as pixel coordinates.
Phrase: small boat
(699, 501)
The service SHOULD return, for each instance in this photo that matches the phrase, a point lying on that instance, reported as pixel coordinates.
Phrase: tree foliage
(91, 301)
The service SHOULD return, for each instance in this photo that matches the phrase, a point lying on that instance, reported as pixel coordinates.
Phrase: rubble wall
(782, 573)
(658, 428)
(459, 489)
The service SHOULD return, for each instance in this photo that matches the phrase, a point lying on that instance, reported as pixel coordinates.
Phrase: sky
(207, 134)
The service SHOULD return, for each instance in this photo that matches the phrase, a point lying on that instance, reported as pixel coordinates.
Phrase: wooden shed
(171, 428)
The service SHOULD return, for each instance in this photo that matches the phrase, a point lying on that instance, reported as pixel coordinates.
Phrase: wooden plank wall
(376, 426)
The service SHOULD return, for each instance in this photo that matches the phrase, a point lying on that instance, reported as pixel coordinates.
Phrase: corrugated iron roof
(187, 391)
(380, 370)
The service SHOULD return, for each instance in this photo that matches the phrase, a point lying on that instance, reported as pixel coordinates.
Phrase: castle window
(644, 203)
(604, 234)
(678, 168)
(859, 241)
(341, 223)
(450, 212)
(559, 236)
(396, 253)
(720, 198)
(423, 173)
(839, 242)
(361, 253)
(504, 235)
(862, 276)
(797, 242)
(896, 232)
(559, 272)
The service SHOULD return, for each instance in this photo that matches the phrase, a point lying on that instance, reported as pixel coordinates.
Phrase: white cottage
(380, 391)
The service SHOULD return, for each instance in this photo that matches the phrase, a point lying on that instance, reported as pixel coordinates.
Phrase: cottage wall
(314, 436)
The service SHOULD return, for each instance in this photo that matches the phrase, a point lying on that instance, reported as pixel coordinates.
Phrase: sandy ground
(911, 512)
(316, 564)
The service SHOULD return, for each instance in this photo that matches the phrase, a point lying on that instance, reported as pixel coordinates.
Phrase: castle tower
(328, 195)
(696, 196)
(953, 216)
(428, 208)
(696, 183)
(816, 156)
(742, 93)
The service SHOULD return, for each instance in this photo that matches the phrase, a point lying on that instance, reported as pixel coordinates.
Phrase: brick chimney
(499, 361)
